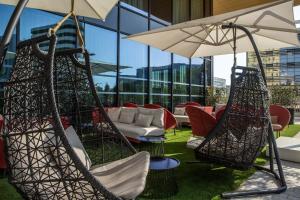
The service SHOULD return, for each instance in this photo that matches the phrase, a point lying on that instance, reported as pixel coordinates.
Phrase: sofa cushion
(132, 131)
(125, 178)
(77, 146)
(144, 120)
(158, 115)
(182, 118)
(114, 113)
(127, 115)
(179, 111)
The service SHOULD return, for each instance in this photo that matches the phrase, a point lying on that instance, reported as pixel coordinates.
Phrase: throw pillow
(127, 115)
(144, 120)
(113, 114)
(158, 115)
(179, 111)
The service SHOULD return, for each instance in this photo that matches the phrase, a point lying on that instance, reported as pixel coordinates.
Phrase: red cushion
(2, 159)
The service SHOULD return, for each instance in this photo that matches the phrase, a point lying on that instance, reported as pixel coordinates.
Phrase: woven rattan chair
(45, 161)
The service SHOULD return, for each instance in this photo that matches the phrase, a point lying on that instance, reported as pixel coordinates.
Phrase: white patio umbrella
(271, 25)
(89, 8)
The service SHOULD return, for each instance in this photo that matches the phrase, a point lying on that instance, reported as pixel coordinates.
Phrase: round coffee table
(161, 181)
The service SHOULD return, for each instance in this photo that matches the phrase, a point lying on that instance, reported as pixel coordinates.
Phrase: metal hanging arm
(231, 25)
(62, 21)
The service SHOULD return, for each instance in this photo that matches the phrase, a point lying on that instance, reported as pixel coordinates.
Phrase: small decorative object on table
(161, 181)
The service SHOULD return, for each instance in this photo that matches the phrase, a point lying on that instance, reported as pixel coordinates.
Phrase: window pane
(160, 65)
(197, 71)
(103, 61)
(133, 71)
(34, 22)
(132, 23)
(6, 12)
(180, 69)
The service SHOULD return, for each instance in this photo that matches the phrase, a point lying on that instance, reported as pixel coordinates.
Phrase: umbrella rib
(177, 42)
(200, 44)
(208, 33)
(194, 35)
(227, 31)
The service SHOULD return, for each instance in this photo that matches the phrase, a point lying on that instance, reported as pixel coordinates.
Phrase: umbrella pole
(10, 29)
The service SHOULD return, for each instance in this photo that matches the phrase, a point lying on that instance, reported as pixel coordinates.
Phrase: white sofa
(127, 121)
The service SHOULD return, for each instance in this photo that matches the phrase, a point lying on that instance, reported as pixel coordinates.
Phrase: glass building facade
(123, 70)
(282, 66)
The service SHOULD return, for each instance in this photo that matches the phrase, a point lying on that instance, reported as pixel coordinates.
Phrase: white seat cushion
(77, 146)
(182, 118)
(132, 131)
(194, 142)
(179, 111)
(125, 178)
(127, 115)
(114, 113)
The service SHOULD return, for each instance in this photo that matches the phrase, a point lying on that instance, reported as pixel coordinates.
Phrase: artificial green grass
(291, 131)
(195, 181)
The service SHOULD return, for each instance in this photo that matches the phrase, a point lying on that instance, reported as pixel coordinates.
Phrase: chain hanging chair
(49, 98)
(244, 129)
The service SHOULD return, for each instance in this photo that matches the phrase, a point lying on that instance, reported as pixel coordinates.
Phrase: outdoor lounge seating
(280, 118)
(47, 161)
(181, 115)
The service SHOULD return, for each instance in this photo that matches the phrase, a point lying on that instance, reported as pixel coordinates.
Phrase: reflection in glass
(32, 19)
(197, 71)
(9, 60)
(103, 61)
(132, 23)
(133, 71)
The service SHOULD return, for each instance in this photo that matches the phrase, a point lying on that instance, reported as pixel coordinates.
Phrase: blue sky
(223, 63)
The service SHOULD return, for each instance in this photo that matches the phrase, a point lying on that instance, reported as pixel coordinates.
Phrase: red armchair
(169, 120)
(283, 116)
(220, 112)
(202, 122)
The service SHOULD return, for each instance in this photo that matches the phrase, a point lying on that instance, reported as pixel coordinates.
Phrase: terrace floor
(205, 181)
(292, 175)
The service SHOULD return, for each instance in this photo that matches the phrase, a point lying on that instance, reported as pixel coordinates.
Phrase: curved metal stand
(10, 29)
(271, 140)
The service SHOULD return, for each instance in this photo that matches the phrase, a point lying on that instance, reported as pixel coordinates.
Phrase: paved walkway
(262, 180)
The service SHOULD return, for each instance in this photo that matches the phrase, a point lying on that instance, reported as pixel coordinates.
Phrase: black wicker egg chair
(46, 160)
(245, 128)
